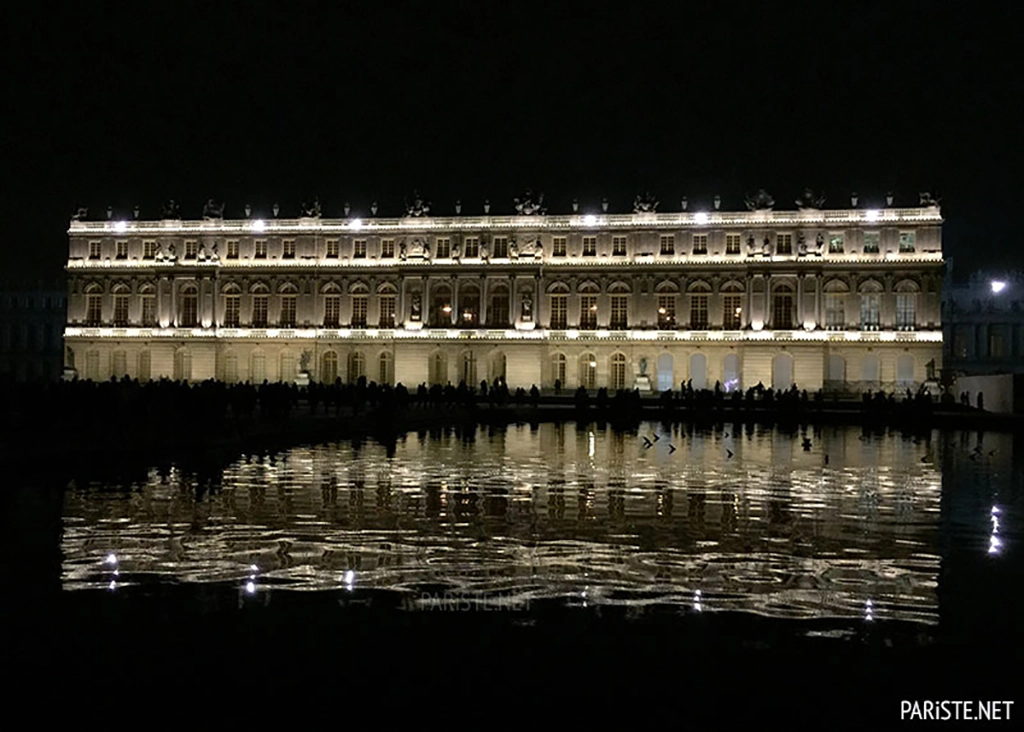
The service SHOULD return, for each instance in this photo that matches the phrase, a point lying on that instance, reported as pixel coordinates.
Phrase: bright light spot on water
(113, 585)
(350, 577)
(592, 445)
(253, 568)
(994, 545)
(111, 559)
(997, 286)
(250, 587)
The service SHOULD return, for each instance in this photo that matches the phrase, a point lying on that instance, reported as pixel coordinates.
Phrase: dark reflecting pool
(824, 542)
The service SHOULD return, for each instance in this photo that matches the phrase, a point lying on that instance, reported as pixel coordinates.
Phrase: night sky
(128, 105)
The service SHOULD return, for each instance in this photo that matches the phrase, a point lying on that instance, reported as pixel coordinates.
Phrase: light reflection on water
(705, 521)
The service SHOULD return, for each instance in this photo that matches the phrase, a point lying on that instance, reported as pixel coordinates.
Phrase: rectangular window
(189, 310)
(668, 244)
(835, 311)
(559, 312)
(122, 250)
(732, 243)
(387, 311)
(871, 242)
(94, 309)
(620, 312)
(149, 250)
(288, 249)
(359, 311)
(443, 247)
(559, 245)
(666, 311)
(906, 242)
(191, 248)
(148, 310)
(698, 312)
(870, 316)
(588, 312)
(332, 249)
(784, 244)
(732, 315)
(332, 311)
(121, 309)
(359, 249)
(995, 342)
(500, 247)
(590, 246)
(232, 248)
(700, 243)
(619, 246)
(232, 310)
(835, 244)
(472, 247)
(259, 310)
(387, 248)
(905, 311)
(261, 249)
(94, 249)
(287, 311)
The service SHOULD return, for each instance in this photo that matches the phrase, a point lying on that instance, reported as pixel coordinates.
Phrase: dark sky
(125, 105)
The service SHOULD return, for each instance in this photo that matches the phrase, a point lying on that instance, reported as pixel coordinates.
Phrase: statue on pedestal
(456, 252)
(70, 357)
(527, 313)
(416, 307)
(304, 362)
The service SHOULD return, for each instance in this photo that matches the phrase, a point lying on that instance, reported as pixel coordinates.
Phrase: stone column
(483, 301)
(800, 300)
(512, 301)
(456, 314)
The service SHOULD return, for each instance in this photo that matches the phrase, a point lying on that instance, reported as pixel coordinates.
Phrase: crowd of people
(130, 403)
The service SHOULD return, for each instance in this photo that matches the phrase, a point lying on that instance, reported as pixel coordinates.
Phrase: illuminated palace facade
(843, 300)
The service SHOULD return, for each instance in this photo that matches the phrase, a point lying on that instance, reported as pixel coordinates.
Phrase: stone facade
(983, 320)
(32, 321)
(834, 299)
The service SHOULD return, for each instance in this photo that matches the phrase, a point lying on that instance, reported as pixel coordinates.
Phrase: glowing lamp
(700, 218)
(120, 226)
(589, 220)
(258, 225)
(446, 309)
(356, 224)
(997, 286)
(871, 215)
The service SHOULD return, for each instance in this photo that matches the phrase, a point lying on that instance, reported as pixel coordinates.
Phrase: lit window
(332, 311)
(699, 312)
(332, 248)
(732, 243)
(387, 311)
(191, 248)
(784, 244)
(620, 311)
(500, 247)
(589, 246)
(387, 248)
(619, 246)
(232, 248)
(122, 250)
(261, 249)
(618, 371)
(906, 242)
(472, 248)
(359, 249)
(732, 315)
(835, 311)
(443, 247)
(149, 250)
(835, 244)
(288, 311)
(668, 244)
(559, 245)
(870, 314)
(700, 243)
(559, 312)
(905, 310)
(288, 249)
(666, 311)
(359, 311)
(871, 242)
(588, 312)
(94, 249)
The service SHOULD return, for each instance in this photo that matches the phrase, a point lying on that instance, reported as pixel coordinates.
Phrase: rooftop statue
(927, 200)
(171, 210)
(760, 202)
(312, 209)
(81, 214)
(810, 201)
(213, 210)
(646, 203)
(418, 208)
(528, 205)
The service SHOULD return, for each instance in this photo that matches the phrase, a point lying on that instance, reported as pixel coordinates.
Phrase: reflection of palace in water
(747, 517)
(839, 299)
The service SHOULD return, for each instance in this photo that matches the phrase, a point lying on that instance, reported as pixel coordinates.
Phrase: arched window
(700, 294)
(147, 295)
(698, 371)
(329, 368)
(588, 371)
(93, 304)
(782, 372)
(122, 297)
(189, 313)
(356, 366)
(835, 304)
(870, 370)
(618, 371)
(92, 365)
(619, 299)
(731, 374)
(145, 365)
(667, 293)
(732, 305)
(558, 369)
(438, 369)
(467, 368)
(119, 364)
(666, 372)
(288, 369)
(588, 292)
(332, 304)
(231, 368)
(387, 298)
(182, 365)
(289, 294)
(558, 306)
(870, 304)
(906, 304)
(469, 307)
(360, 294)
(258, 367)
(782, 307)
(836, 370)
(441, 307)
(905, 371)
(498, 304)
(232, 305)
(260, 304)
(385, 369)
(496, 367)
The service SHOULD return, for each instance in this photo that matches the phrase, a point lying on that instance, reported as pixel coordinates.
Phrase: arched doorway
(666, 373)
(870, 370)
(731, 372)
(588, 371)
(699, 371)
(496, 368)
(329, 368)
(836, 370)
(618, 371)
(905, 370)
(782, 372)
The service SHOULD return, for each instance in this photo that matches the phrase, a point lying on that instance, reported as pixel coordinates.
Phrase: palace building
(837, 299)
